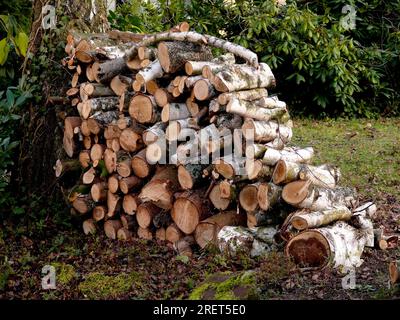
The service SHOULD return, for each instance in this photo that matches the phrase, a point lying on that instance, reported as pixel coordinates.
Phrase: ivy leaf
(4, 49)
(21, 42)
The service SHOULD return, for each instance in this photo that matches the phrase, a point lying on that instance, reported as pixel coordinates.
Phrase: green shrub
(321, 68)
(11, 102)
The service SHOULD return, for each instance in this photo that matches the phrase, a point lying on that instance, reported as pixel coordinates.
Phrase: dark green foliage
(11, 102)
(321, 67)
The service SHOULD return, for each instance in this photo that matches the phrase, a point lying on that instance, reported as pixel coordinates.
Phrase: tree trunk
(339, 245)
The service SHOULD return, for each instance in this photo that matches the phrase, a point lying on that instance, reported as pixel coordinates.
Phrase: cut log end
(248, 198)
(309, 249)
(394, 272)
(295, 192)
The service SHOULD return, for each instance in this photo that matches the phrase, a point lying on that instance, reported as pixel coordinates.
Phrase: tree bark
(339, 245)
(241, 77)
(174, 55)
(304, 194)
(207, 230)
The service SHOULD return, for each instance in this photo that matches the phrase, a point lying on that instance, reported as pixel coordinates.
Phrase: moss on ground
(65, 273)
(227, 286)
(100, 286)
(367, 151)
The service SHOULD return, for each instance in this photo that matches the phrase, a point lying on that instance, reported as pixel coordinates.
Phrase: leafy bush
(10, 103)
(321, 68)
(13, 47)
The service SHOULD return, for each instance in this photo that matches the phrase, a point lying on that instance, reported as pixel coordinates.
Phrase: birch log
(339, 245)
(248, 109)
(304, 194)
(241, 77)
(266, 131)
(321, 218)
(207, 230)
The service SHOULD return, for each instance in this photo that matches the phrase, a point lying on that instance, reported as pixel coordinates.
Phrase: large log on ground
(339, 245)
(174, 55)
(161, 188)
(190, 207)
(183, 246)
(207, 230)
(304, 194)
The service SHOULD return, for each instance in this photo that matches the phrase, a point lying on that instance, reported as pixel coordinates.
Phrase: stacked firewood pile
(171, 141)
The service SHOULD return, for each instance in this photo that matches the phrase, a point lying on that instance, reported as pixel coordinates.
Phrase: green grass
(366, 151)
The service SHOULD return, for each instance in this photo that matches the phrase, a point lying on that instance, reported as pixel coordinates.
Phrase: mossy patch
(227, 286)
(65, 273)
(100, 286)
